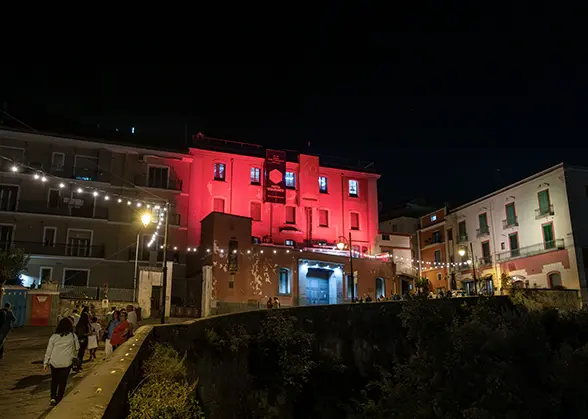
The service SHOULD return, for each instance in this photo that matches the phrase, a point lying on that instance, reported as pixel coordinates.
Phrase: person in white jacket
(62, 349)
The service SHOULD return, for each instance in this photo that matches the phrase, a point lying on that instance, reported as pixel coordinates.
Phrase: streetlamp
(341, 244)
(145, 220)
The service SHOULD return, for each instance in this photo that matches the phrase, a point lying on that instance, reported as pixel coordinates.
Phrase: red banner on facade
(275, 171)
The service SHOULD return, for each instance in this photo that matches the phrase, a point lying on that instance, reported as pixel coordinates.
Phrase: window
(354, 224)
(45, 275)
(483, 222)
(486, 249)
(290, 215)
(355, 250)
(290, 180)
(53, 198)
(385, 237)
(394, 228)
(353, 188)
(78, 277)
(289, 242)
(544, 202)
(5, 236)
(511, 215)
(380, 287)
(49, 236)
(433, 218)
(323, 218)
(548, 237)
(284, 282)
(79, 243)
(232, 281)
(57, 161)
(219, 171)
(218, 205)
(158, 177)
(255, 176)
(436, 236)
(461, 228)
(554, 280)
(513, 241)
(8, 197)
(439, 276)
(255, 211)
(450, 234)
(438, 256)
(85, 167)
(323, 186)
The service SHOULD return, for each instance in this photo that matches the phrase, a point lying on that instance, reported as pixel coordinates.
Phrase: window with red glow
(255, 211)
(219, 171)
(323, 185)
(354, 221)
(255, 176)
(323, 218)
(290, 215)
(218, 205)
(353, 188)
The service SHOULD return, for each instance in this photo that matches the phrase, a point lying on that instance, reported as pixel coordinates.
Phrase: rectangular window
(218, 205)
(385, 237)
(54, 199)
(255, 176)
(513, 241)
(255, 211)
(57, 161)
(45, 275)
(158, 177)
(86, 167)
(461, 227)
(79, 243)
(5, 237)
(548, 238)
(438, 256)
(78, 277)
(49, 236)
(323, 186)
(436, 237)
(483, 222)
(450, 234)
(433, 218)
(8, 197)
(290, 180)
(394, 228)
(511, 215)
(290, 215)
(354, 225)
(284, 282)
(486, 249)
(544, 202)
(219, 171)
(323, 218)
(439, 276)
(353, 188)
(289, 242)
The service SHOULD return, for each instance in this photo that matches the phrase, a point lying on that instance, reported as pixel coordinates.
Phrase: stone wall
(67, 306)
(537, 299)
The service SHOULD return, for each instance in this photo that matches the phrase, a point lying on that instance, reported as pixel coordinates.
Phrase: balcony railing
(462, 238)
(146, 182)
(510, 222)
(482, 231)
(83, 173)
(172, 255)
(62, 208)
(544, 212)
(485, 261)
(532, 250)
(434, 240)
(61, 249)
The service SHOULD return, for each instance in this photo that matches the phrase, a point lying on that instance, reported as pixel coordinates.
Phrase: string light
(14, 168)
(62, 185)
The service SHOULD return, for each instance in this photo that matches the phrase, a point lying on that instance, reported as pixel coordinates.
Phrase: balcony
(462, 238)
(434, 240)
(544, 212)
(535, 249)
(482, 231)
(510, 222)
(172, 255)
(144, 181)
(61, 249)
(485, 261)
(62, 208)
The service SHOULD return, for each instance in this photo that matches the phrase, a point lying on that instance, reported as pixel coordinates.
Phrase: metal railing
(434, 240)
(117, 294)
(544, 212)
(146, 182)
(482, 231)
(510, 222)
(79, 292)
(61, 208)
(61, 249)
(485, 261)
(462, 238)
(144, 254)
(535, 249)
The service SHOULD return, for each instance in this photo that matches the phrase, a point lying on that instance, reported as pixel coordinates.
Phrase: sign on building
(275, 170)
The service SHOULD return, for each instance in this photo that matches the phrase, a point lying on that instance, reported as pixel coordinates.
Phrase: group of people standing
(77, 333)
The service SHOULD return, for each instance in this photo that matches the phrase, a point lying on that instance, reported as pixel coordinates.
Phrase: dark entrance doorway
(317, 286)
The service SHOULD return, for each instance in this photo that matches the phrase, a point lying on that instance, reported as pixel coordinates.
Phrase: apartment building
(399, 247)
(433, 257)
(533, 230)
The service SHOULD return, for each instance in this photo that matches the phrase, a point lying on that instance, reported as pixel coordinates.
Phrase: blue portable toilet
(17, 297)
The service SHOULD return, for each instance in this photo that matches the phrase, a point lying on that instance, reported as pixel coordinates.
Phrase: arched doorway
(554, 280)
(380, 287)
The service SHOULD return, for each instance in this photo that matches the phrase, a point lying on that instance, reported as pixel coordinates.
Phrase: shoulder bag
(75, 362)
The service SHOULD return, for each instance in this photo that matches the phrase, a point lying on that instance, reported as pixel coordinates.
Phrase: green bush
(165, 364)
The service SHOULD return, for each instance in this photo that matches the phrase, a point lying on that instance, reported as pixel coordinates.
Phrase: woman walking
(62, 349)
(121, 332)
(83, 330)
(110, 330)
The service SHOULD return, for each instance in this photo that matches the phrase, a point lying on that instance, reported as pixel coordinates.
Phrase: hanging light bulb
(249, 251)
(36, 176)
(119, 200)
(106, 197)
(14, 168)
(128, 202)
(138, 204)
(80, 190)
(43, 179)
(62, 185)
(95, 193)
(148, 206)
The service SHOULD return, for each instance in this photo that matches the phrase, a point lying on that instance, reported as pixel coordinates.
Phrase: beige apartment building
(72, 205)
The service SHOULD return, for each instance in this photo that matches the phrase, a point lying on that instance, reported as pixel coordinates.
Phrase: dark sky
(450, 99)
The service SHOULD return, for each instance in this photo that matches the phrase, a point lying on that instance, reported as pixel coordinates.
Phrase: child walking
(94, 338)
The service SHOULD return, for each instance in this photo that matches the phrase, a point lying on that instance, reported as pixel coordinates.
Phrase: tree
(13, 262)
(422, 285)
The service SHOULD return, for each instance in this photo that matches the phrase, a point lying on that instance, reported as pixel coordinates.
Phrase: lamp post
(164, 276)
(341, 244)
(145, 220)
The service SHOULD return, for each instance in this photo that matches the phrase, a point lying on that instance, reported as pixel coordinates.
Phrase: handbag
(92, 342)
(75, 362)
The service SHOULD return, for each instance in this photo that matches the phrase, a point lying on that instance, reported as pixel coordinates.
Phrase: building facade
(433, 256)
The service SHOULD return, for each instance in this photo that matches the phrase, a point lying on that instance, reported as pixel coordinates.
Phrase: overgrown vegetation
(13, 262)
(165, 392)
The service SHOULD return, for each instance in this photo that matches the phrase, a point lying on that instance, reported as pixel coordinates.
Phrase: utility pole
(164, 270)
(474, 268)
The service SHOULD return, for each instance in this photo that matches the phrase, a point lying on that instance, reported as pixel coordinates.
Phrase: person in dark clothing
(7, 319)
(83, 330)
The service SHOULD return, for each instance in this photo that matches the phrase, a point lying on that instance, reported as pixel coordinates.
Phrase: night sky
(451, 102)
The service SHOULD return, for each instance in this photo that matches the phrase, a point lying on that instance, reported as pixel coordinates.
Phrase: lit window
(219, 171)
(386, 237)
(353, 188)
(354, 221)
(323, 188)
(255, 211)
(433, 218)
(290, 180)
(218, 205)
(323, 218)
(290, 215)
(284, 282)
(289, 242)
(255, 176)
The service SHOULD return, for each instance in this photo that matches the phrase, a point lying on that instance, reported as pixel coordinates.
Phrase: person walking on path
(63, 347)
(83, 330)
(132, 318)
(109, 331)
(7, 318)
(121, 332)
